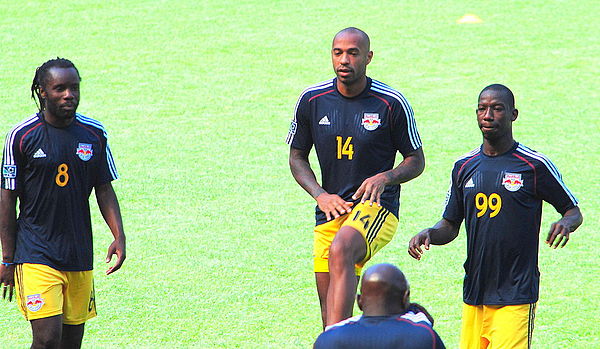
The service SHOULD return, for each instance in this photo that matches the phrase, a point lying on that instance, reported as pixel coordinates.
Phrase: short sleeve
(107, 170)
(404, 127)
(12, 163)
(552, 189)
(299, 135)
(454, 207)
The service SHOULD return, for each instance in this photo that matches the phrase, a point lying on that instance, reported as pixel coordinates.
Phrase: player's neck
(352, 90)
(495, 147)
(56, 121)
(383, 311)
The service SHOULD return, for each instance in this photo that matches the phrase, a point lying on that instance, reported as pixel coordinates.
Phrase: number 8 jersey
(53, 171)
(355, 138)
(500, 199)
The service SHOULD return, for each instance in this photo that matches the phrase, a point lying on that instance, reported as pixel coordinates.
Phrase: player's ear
(406, 298)
(369, 57)
(359, 301)
(515, 114)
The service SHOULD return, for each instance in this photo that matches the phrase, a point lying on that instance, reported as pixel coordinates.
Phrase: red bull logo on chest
(84, 151)
(35, 302)
(371, 121)
(512, 181)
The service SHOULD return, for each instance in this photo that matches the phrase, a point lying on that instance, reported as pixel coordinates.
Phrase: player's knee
(347, 248)
(46, 340)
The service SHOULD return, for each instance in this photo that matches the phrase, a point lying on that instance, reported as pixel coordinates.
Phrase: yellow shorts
(43, 291)
(496, 326)
(375, 223)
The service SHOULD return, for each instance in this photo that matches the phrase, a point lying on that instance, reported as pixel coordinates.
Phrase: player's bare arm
(441, 233)
(560, 230)
(8, 220)
(331, 204)
(109, 207)
(411, 167)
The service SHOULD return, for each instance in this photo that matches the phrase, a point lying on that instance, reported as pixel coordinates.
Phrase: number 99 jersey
(500, 199)
(53, 171)
(355, 138)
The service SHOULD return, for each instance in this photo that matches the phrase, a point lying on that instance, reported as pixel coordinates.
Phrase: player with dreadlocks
(51, 162)
(41, 78)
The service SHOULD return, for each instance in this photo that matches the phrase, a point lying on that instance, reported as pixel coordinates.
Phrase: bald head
(364, 38)
(384, 290)
(500, 90)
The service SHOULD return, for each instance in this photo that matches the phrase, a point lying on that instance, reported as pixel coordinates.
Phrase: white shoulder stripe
(551, 168)
(344, 322)
(9, 156)
(469, 154)
(315, 87)
(319, 86)
(92, 122)
(418, 317)
(10, 138)
(382, 88)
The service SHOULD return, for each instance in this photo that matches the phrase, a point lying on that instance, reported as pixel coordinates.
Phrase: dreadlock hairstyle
(41, 78)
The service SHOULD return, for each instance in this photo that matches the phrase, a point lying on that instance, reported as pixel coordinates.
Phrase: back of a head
(384, 290)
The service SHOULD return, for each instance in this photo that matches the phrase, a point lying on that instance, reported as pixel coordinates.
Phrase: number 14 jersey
(355, 138)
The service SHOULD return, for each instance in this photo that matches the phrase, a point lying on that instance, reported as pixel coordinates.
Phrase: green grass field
(197, 98)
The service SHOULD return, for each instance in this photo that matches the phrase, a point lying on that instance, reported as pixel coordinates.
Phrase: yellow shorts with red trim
(43, 292)
(496, 326)
(376, 224)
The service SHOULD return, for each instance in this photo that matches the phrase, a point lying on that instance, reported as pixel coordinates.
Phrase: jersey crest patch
(512, 181)
(84, 151)
(9, 171)
(371, 121)
(35, 302)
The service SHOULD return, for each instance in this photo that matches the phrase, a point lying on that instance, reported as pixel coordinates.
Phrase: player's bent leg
(72, 336)
(323, 237)
(322, 280)
(47, 332)
(348, 248)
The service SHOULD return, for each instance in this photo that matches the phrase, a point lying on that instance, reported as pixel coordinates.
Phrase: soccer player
(498, 190)
(357, 125)
(389, 320)
(52, 161)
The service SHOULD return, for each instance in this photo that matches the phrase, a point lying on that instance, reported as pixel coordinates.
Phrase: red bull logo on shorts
(512, 181)
(371, 121)
(35, 302)
(84, 151)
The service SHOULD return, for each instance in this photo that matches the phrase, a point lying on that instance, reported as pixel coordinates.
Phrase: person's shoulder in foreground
(389, 320)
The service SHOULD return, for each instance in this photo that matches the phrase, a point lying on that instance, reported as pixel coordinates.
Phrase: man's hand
(117, 247)
(371, 189)
(333, 205)
(421, 239)
(7, 280)
(558, 233)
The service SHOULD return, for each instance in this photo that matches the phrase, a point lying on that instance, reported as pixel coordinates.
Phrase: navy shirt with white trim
(500, 199)
(411, 330)
(53, 171)
(355, 138)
